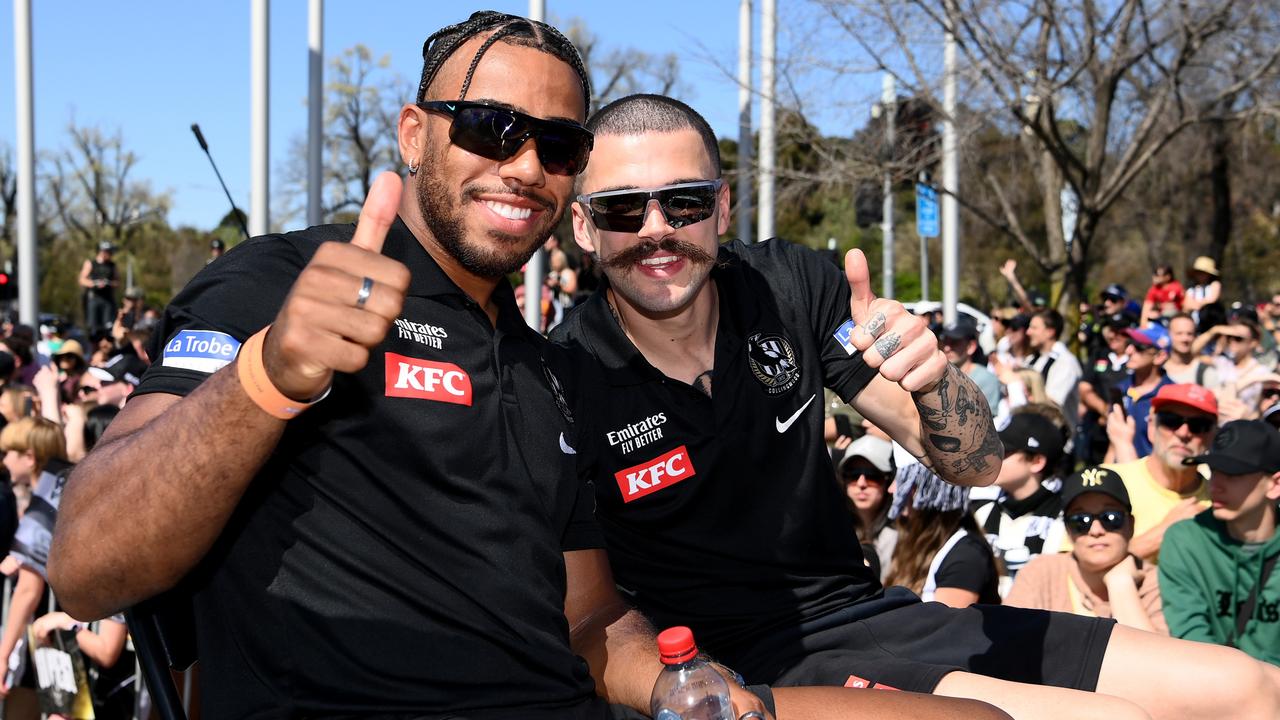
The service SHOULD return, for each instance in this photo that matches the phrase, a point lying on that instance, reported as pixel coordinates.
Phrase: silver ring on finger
(366, 289)
(751, 714)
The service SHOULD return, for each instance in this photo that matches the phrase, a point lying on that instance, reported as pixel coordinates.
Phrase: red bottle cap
(675, 645)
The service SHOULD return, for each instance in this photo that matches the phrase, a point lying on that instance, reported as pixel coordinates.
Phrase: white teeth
(509, 212)
(654, 262)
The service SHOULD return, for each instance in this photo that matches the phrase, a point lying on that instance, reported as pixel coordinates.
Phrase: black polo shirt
(402, 549)
(723, 512)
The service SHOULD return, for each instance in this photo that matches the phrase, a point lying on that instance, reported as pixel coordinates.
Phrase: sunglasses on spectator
(873, 477)
(1079, 523)
(86, 390)
(498, 133)
(1112, 298)
(625, 210)
(1172, 421)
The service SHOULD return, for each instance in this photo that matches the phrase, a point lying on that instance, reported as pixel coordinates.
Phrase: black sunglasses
(84, 390)
(498, 133)
(873, 477)
(1173, 421)
(1112, 521)
(624, 210)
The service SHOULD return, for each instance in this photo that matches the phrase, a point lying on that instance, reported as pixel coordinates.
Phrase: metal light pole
(535, 271)
(28, 274)
(950, 180)
(768, 37)
(315, 109)
(889, 105)
(744, 120)
(259, 113)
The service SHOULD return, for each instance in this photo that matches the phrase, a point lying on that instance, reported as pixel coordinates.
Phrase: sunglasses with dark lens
(498, 133)
(1079, 523)
(86, 390)
(1173, 421)
(873, 477)
(624, 210)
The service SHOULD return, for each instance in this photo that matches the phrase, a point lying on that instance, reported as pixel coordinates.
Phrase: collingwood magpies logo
(773, 362)
(557, 392)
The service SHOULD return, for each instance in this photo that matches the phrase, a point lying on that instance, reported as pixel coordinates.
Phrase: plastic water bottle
(688, 688)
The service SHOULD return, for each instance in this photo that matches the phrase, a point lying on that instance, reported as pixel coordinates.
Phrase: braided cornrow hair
(511, 29)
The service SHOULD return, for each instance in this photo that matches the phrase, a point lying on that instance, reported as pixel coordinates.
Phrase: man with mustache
(1163, 490)
(698, 367)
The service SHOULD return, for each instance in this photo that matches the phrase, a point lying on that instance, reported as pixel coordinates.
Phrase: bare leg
(833, 703)
(1038, 702)
(1181, 679)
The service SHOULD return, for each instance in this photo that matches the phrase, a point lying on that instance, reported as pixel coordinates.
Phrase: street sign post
(926, 227)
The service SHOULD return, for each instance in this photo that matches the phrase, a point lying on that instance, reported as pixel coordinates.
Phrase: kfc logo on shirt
(650, 477)
(409, 377)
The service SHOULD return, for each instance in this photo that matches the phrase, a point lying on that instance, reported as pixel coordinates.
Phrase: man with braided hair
(416, 544)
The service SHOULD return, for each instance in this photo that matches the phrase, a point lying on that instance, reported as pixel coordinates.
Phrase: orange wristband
(254, 380)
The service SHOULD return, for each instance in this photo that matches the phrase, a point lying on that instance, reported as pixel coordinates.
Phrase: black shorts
(622, 712)
(912, 646)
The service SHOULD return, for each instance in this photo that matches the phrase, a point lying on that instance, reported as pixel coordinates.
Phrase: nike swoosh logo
(784, 426)
(564, 447)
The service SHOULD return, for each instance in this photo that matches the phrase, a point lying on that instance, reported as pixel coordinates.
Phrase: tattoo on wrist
(875, 326)
(888, 345)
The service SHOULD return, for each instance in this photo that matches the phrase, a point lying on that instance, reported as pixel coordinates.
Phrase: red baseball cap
(1193, 396)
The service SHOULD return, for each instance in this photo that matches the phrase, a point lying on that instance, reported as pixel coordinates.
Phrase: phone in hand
(1115, 396)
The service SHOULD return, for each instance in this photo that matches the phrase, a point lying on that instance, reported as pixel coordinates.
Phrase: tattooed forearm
(959, 436)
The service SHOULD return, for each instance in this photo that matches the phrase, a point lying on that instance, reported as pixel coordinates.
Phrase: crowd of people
(1141, 477)
(378, 492)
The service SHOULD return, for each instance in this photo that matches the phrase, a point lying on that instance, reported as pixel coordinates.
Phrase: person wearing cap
(959, 342)
(1218, 570)
(941, 553)
(1164, 297)
(1098, 576)
(1100, 384)
(865, 471)
(1114, 299)
(113, 383)
(1012, 347)
(1206, 287)
(1022, 521)
(130, 312)
(1055, 363)
(1162, 487)
(99, 280)
(1148, 349)
(216, 248)
(1185, 365)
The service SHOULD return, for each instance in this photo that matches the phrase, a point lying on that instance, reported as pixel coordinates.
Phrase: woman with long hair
(865, 472)
(941, 553)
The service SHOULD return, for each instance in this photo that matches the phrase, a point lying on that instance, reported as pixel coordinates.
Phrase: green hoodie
(1205, 574)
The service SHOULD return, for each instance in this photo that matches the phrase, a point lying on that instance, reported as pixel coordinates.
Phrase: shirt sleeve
(1029, 585)
(967, 566)
(1186, 606)
(201, 330)
(826, 291)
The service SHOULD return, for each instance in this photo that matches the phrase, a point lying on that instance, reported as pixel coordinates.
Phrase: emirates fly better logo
(650, 477)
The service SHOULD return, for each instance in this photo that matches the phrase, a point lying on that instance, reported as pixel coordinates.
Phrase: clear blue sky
(152, 67)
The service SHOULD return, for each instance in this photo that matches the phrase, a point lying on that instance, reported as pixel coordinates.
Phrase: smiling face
(491, 215)
(670, 267)
(1099, 549)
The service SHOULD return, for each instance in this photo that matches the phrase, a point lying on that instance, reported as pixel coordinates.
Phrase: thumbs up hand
(342, 304)
(892, 340)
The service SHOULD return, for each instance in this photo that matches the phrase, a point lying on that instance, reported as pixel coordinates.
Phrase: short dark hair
(511, 29)
(1051, 319)
(637, 114)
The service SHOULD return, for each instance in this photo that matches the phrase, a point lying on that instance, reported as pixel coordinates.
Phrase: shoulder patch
(205, 351)
(842, 335)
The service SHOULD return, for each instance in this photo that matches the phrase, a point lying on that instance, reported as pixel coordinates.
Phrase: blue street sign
(926, 211)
